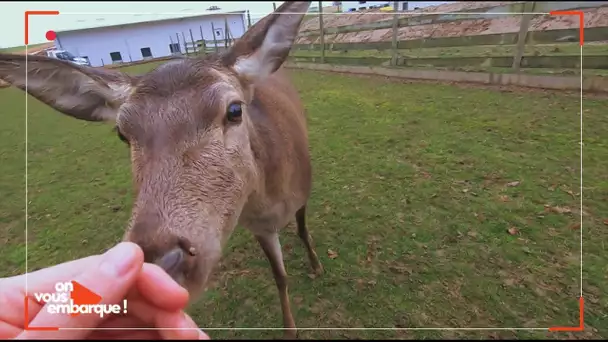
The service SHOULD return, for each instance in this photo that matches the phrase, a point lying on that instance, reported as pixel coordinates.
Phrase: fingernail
(118, 260)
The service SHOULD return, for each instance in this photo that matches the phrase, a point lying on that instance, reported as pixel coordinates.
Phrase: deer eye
(234, 112)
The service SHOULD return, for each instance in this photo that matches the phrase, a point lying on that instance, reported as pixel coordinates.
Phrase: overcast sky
(98, 13)
(12, 22)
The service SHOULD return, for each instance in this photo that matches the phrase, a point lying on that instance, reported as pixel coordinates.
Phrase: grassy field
(433, 206)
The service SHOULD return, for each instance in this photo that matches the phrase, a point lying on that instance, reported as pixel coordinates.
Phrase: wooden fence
(519, 40)
(203, 45)
(324, 51)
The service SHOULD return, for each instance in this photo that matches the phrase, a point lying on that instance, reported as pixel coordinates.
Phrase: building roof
(131, 19)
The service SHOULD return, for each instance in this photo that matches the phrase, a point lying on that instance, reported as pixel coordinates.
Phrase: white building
(354, 6)
(150, 39)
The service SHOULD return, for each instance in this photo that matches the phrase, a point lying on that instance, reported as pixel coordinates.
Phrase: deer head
(188, 128)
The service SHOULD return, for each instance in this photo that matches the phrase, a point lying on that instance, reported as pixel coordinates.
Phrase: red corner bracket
(27, 21)
(581, 324)
(581, 18)
(26, 319)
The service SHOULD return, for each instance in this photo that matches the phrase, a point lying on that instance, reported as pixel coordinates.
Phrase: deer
(216, 141)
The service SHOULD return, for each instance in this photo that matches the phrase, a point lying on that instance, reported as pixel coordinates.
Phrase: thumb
(110, 276)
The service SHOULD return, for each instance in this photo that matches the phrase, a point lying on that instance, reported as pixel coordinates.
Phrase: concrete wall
(97, 44)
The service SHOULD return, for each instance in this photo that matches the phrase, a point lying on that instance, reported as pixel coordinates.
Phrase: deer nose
(172, 262)
(169, 252)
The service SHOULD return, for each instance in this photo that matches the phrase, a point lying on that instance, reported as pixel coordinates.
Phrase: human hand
(154, 300)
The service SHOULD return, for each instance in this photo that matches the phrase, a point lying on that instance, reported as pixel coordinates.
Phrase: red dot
(51, 35)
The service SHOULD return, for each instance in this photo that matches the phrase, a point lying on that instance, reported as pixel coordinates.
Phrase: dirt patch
(364, 17)
(594, 17)
(469, 85)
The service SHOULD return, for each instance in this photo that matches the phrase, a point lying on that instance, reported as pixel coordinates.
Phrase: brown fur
(196, 174)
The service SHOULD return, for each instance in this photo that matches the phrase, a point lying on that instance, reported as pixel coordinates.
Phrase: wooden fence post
(274, 6)
(226, 33)
(523, 33)
(231, 36)
(248, 19)
(395, 31)
(214, 38)
(203, 43)
(193, 43)
(322, 32)
(129, 51)
(185, 44)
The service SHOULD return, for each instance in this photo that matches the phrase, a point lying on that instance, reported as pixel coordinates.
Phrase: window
(404, 6)
(362, 2)
(116, 57)
(219, 33)
(174, 47)
(146, 52)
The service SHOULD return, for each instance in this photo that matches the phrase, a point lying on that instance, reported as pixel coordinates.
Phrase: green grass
(410, 190)
(562, 49)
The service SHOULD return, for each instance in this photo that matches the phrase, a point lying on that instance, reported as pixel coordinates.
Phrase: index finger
(158, 288)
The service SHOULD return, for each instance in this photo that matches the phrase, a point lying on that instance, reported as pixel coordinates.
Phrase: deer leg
(272, 248)
(307, 240)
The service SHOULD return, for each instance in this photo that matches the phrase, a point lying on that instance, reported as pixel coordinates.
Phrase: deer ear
(85, 93)
(265, 46)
